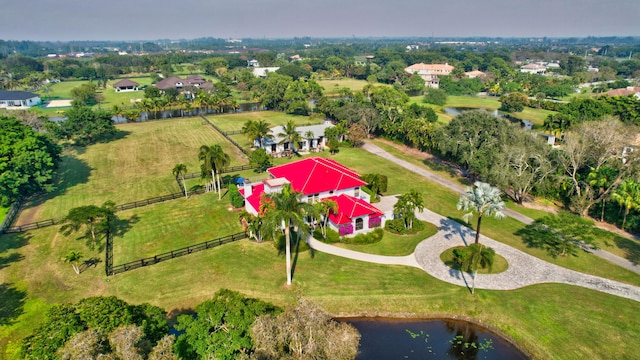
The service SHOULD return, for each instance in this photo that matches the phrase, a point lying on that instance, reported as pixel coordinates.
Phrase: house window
(359, 224)
(331, 192)
(310, 199)
(356, 192)
(316, 197)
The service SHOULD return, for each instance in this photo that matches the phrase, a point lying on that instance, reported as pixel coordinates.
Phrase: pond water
(430, 339)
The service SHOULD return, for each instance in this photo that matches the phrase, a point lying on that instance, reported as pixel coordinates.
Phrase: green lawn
(393, 244)
(134, 167)
(538, 318)
(331, 87)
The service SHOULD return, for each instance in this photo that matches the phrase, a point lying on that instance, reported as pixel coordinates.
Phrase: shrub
(435, 96)
(375, 222)
(396, 226)
(368, 238)
(331, 238)
(346, 229)
(237, 201)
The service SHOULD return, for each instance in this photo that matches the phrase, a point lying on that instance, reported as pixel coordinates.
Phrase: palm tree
(214, 160)
(257, 130)
(309, 135)
(73, 258)
(627, 195)
(287, 211)
(325, 208)
(406, 207)
(290, 135)
(478, 256)
(180, 170)
(484, 199)
(601, 178)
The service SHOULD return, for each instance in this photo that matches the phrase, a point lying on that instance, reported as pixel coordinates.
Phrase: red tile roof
(316, 175)
(254, 198)
(349, 208)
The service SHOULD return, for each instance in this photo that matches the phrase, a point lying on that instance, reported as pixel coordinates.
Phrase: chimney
(248, 188)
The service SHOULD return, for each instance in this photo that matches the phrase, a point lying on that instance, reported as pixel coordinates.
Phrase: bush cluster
(331, 238)
(237, 201)
(396, 226)
(368, 238)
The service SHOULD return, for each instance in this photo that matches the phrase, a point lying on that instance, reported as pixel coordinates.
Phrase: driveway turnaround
(524, 269)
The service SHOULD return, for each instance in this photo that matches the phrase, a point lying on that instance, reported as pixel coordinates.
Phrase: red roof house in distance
(317, 179)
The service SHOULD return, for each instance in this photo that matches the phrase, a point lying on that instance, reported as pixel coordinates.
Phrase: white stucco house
(13, 100)
(533, 69)
(318, 179)
(316, 142)
(430, 72)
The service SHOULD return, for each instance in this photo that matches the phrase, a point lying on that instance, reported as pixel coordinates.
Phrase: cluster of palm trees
(260, 130)
(214, 159)
(202, 101)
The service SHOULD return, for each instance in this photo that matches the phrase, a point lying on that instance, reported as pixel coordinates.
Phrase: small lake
(430, 339)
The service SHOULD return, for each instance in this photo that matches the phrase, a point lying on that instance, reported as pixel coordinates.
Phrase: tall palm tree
(290, 135)
(601, 178)
(286, 212)
(627, 195)
(214, 160)
(483, 199)
(178, 171)
(73, 258)
(479, 256)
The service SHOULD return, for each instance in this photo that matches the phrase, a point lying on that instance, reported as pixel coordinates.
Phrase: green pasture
(538, 318)
(331, 87)
(135, 166)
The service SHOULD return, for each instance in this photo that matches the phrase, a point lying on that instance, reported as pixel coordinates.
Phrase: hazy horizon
(120, 20)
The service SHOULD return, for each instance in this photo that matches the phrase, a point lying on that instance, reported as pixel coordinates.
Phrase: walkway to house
(523, 270)
(374, 149)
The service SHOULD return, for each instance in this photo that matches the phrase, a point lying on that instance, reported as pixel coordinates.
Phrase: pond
(429, 339)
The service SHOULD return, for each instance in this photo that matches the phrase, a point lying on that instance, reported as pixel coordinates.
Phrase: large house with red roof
(318, 179)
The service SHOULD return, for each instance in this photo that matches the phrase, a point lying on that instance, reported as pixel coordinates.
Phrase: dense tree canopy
(27, 160)
(221, 327)
(85, 126)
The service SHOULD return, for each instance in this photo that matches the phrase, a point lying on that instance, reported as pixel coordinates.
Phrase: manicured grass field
(136, 166)
(331, 87)
(538, 318)
(394, 244)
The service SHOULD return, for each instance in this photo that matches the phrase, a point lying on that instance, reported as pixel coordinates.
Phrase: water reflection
(430, 339)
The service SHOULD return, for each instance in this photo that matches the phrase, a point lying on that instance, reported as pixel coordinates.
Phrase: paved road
(524, 269)
(374, 149)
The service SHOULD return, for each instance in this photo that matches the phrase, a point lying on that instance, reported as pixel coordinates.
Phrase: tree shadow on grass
(118, 135)
(13, 241)
(89, 263)
(12, 301)
(71, 171)
(122, 226)
(630, 247)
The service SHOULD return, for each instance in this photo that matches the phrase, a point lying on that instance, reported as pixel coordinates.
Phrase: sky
(188, 19)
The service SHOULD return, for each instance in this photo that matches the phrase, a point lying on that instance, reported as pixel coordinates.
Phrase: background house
(192, 81)
(13, 100)
(533, 69)
(126, 85)
(429, 72)
(317, 179)
(317, 142)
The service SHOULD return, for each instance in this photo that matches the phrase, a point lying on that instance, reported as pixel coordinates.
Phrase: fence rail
(224, 171)
(244, 151)
(132, 265)
(31, 226)
(233, 132)
(11, 216)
